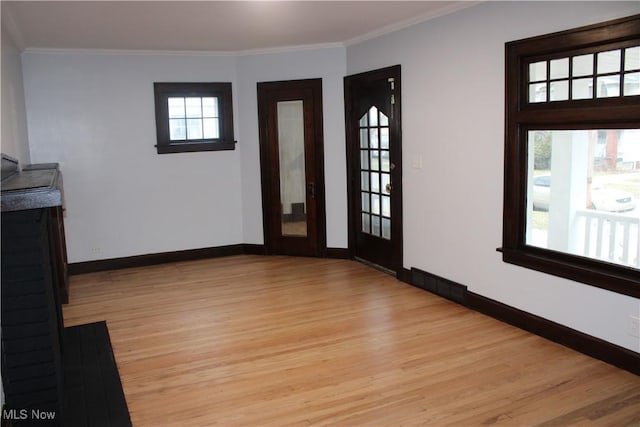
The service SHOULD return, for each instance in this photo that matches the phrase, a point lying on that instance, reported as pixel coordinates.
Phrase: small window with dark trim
(193, 117)
(572, 155)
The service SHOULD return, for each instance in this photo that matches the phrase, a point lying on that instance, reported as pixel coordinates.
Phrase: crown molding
(248, 52)
(449, 9)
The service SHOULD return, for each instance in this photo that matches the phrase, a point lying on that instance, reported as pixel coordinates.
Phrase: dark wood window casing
(221, 91)
(523, 115)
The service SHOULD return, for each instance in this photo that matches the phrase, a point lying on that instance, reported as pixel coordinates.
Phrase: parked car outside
(602, 198)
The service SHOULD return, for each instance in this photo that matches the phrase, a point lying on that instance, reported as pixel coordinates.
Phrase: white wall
(328, 64)
(453, 117)
(94, 114)
(14, 140)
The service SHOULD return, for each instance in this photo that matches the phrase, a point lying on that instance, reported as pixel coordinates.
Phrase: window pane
(177, 130)
(632, 84)
(538, 71)
(609, 62)
(211, 128)
(194, 107)
(176, 108)
(560, 90)
(538, 92)
(582, 65)
(582, 89)
(608, 86)
(583, 191)
(363, 121)
(559, 68)
(210, 107)
(194, 128)
(632, 58)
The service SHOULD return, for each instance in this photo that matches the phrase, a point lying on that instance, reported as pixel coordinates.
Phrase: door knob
(388, 188)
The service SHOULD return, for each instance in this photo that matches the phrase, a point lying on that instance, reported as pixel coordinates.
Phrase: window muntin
(613, 72)
(193, 117)
(542, 99)
(592, 209)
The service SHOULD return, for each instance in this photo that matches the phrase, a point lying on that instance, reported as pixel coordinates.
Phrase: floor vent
(439, 286)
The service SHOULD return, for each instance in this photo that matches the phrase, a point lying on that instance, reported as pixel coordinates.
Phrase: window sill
(599, 274)
(195, 147)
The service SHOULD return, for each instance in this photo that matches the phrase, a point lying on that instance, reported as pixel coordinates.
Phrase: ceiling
(217, 26)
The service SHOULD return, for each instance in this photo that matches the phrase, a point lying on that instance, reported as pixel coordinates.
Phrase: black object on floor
(93, 392)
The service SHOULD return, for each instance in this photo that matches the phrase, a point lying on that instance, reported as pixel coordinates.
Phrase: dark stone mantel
(33, 187)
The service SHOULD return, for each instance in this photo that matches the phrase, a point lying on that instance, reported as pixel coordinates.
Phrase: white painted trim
(455, 7)
(284, 49)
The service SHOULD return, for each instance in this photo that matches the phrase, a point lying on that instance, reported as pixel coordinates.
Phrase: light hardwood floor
(265, 341)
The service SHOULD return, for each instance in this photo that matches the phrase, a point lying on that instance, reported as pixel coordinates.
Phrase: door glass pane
(386, 180)
(373, 116)
(386, 228)
(292, 168)
(375, 225)
(364, 181)
(386, 206)
(366, 227)
(375, 169)
(373, 137)
(375, 160)
(365, 202)
(375, 204)
(384, 161)
(364, 159)
(384, 136)
(364, 138)
(375, 182)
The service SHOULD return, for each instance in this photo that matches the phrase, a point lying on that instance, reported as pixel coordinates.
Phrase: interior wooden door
(292, 167)
(374, 163)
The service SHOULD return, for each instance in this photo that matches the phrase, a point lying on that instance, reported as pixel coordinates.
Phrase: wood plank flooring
(269, 341)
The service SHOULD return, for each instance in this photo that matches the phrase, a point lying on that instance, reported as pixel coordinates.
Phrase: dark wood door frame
(269, 93)
(351, 84)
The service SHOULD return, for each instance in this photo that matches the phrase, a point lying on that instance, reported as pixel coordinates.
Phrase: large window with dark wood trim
(572, 155)
(193, 117)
